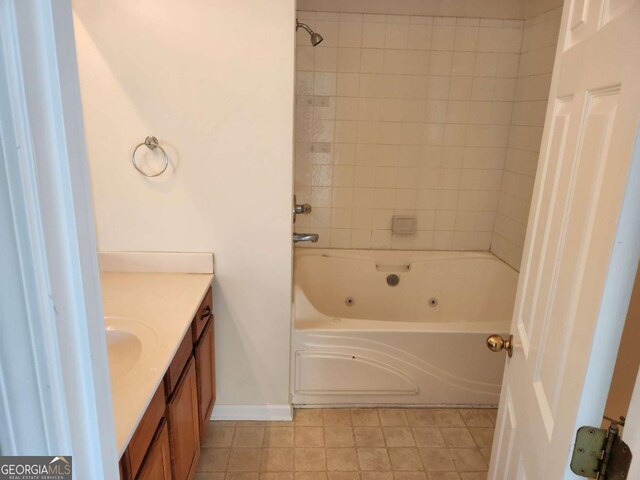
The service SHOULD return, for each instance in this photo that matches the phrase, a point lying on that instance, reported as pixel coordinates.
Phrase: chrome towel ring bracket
(151, 143)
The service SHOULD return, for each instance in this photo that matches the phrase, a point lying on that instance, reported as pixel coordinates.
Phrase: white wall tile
(399, 114)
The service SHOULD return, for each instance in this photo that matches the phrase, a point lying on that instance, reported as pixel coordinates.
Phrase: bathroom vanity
(161, 353)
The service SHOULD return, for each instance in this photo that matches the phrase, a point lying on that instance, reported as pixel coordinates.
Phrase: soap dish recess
(404, 224)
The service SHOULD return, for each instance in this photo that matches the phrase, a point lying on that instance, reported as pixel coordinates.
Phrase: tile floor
(353, 444)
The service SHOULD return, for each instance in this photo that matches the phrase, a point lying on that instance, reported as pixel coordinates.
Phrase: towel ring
(151, 143)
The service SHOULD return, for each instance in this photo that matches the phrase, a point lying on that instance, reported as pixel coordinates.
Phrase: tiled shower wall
(404, 115)
(532, 92)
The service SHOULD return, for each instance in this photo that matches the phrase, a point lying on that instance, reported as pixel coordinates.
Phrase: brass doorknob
(496, 343)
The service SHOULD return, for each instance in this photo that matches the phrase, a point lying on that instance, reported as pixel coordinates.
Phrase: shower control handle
(496, 343)
(304, 209)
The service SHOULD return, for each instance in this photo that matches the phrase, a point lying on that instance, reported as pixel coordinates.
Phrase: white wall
(504, 9)
(213, 80)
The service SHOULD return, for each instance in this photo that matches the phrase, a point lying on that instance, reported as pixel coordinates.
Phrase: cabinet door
(206, 373)
(157, 464)
(184, 431)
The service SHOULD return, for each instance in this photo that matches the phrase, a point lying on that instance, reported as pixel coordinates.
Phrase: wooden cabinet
(204, 352)
(166, 443)
(157, 465)
(203, 315)
(184, 430)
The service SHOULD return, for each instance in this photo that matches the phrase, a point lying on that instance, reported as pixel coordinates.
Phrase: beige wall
(504, 9)
(531, 98)
(403, 115)
(214, 82)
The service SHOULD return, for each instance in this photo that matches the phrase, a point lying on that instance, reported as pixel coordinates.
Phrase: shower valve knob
(304, 209)
(496, 343)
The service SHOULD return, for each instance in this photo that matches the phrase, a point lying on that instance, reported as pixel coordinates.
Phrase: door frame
(55, 347)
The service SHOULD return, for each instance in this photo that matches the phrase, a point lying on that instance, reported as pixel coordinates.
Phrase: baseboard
(253, 412)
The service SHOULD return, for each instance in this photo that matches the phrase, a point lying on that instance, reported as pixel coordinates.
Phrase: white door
(582, 245)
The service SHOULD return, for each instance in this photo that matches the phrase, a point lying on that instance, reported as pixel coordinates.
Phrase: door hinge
(600, 453)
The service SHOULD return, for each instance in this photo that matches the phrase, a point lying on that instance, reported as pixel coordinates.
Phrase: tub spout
(305, 237)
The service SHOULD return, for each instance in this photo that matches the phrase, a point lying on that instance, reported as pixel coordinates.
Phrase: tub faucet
(305, 237)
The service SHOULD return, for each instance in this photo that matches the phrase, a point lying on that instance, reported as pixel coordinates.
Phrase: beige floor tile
(218, 436)
(338, 436)
(493, 415)
(311, 476)
(278, 437)
(475, 417)
(377, 475)
(309, 437)
(242, 476)
(398, 436)
(248, 437)
(214, 459)
(474, 476)
(468, 460)
(365, 417)
(310, 460)
(392, 417)
(486, 454)
(482, 436)
(448, 417)
(222, 423)
(410, 476)
(209, 476)
(428, 437)
(405, 459)
(342, 459)
(277, 460)
(374, 459)
(343, 475)
(457, 437)
(337, 417)
(308, 417)
(437, 460)
(245, 460)
(444, 476)
(368, 436)
(277, 476)
(420, 417)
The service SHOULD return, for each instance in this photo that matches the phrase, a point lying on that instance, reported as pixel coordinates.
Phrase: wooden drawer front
(206, 371)
(184, 431)
(177, 364)
(205, 312)
(145, 432)
(157, 465)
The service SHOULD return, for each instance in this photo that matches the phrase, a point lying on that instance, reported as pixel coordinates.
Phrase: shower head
(316, 38)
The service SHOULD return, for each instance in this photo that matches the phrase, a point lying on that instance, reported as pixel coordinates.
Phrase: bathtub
(398, 327)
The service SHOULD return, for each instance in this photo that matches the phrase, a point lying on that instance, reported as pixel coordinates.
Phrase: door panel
(578, 244)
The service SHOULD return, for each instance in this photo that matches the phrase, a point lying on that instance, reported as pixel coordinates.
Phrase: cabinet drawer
(204, 313)
(139, 444)
(177, 364)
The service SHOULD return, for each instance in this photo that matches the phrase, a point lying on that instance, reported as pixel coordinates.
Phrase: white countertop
(162, 304)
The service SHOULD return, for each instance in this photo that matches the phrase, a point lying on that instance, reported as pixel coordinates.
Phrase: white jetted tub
(398, 327)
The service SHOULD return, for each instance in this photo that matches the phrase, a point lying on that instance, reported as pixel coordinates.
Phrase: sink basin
(130, 345)
(124, 351)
